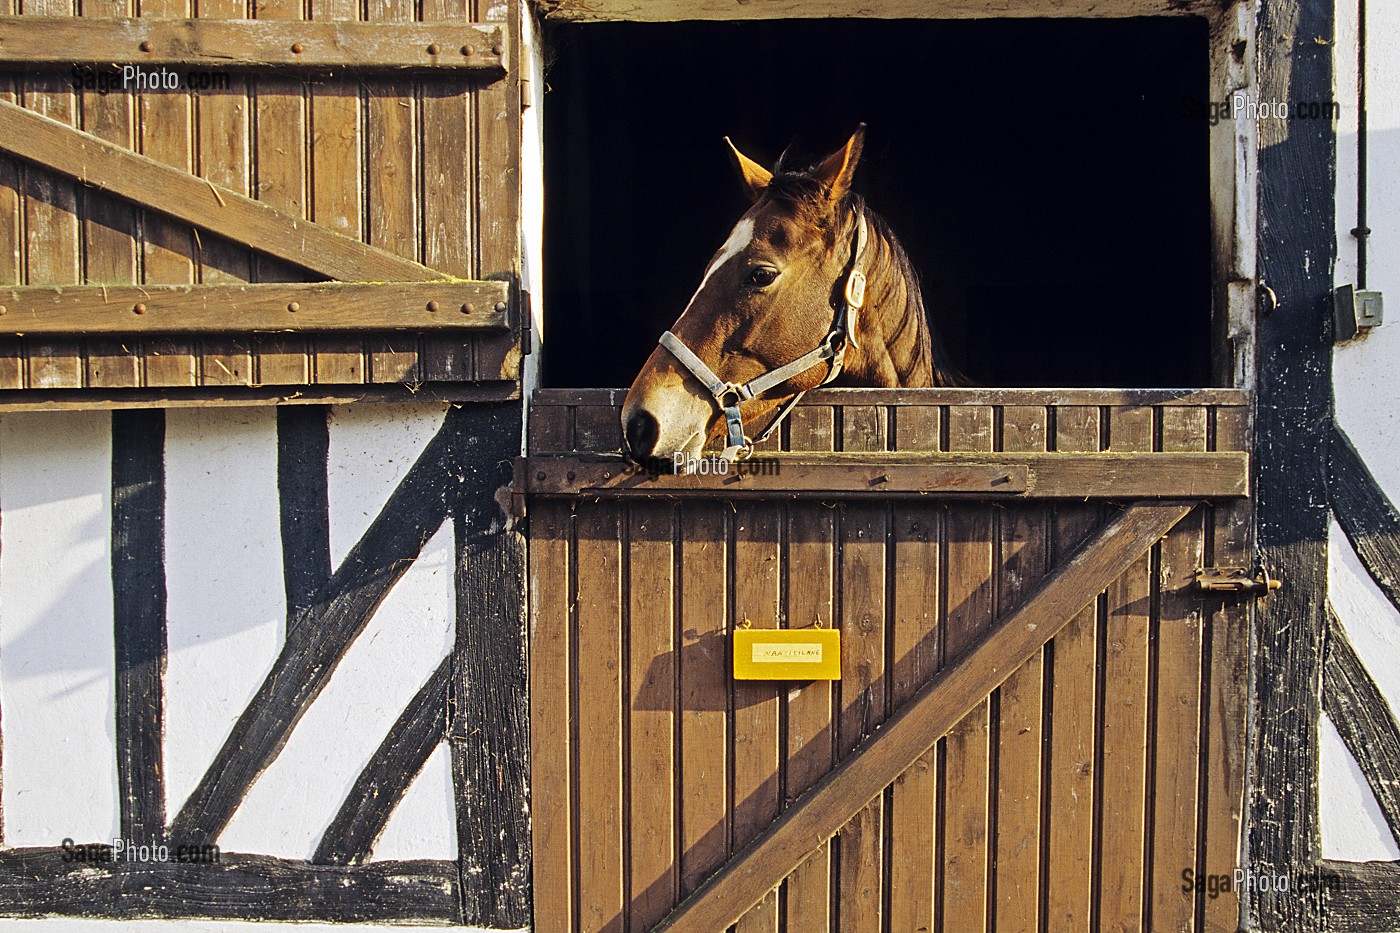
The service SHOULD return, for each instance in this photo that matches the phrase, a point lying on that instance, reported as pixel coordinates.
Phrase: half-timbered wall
(165, 576)
(1073, 796)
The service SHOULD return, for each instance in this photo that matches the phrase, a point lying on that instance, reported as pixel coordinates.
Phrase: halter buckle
(855, 289)
(731, 394)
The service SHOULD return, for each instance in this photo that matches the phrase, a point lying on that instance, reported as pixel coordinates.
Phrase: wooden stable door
(968, 771)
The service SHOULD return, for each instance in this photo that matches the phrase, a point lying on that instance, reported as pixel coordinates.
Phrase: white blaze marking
(741, 237)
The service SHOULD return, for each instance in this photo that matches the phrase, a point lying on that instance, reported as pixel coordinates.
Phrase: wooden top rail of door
(912, 475)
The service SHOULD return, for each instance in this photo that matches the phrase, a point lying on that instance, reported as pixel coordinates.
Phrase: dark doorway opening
(1049, 179)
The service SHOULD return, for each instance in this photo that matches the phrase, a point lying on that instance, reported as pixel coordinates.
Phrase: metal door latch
(1239, 580)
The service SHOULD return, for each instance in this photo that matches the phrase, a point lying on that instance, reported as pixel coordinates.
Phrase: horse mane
(807, 197)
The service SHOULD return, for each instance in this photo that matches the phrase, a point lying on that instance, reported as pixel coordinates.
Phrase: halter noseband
(730, 395)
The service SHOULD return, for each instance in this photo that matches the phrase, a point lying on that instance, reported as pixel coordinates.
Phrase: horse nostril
(642, 431)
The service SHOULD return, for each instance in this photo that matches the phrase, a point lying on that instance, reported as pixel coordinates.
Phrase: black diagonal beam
(319, 636)
(1365, 513)
(1364, 720)
(303, 443)
(350, 838)
(138, 608)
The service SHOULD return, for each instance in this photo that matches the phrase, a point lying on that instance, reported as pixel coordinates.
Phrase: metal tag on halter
(855, 289)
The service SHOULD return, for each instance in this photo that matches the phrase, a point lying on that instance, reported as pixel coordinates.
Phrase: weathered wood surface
(1293, 416)
(1005, 826)
(671, 10)
(1004, 475)
(1357, 897)
(117, 399)
(913, 402)
(138, 610)
(244, 43)
(93, 161)
(37, 882)
(222, 309)
(938, 707)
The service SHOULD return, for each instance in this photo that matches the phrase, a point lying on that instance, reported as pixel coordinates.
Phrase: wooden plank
(495, 122)
(998, 476)
(966, 756)
(284, 181)
(223, 397)
(1297, 250)
(303, 502)
(224, 158)
(220, 309)
(671, 10)
(168, 249)
(811, 746)
(1025, 558)
(757, 795)
(939, 706)
(449, 216)
(52, 248)
(599, 702)
(1176, 713)
(862, 693)
(1072, 662)
(391, 190)
(825, 398)
(981, 395)
(109, 225)
(651, 776)
(915, 538)
(704, 697)
(1223, 719)
(1123, 816)
(36, 881)
(1359, 897)
(12, 269)
(138, 608)
(489, 708)
(179, 194)
(150, 43)
(552, 680)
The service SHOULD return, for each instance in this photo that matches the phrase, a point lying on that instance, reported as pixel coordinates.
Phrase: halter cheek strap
(730, 395)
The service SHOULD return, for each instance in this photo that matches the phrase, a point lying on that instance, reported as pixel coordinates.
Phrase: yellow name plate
(787, 654)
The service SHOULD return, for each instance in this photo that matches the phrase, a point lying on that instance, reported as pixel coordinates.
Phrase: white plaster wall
(57, 677)
(1368, 406)
(225, 604)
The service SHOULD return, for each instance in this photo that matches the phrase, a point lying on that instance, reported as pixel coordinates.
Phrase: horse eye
(762, 277)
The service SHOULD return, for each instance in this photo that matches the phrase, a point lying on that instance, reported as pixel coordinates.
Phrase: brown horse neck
(896, 348)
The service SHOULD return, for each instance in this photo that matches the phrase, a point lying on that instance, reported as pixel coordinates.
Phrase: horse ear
(839, 168)
(755, 176)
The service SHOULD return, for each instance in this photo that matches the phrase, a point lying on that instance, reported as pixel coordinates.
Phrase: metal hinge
(1220, 580)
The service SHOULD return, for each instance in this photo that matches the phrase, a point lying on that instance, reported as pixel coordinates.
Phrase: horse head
(810, 288)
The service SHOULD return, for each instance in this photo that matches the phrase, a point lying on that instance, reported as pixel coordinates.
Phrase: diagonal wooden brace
(160, 187)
